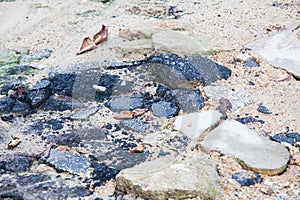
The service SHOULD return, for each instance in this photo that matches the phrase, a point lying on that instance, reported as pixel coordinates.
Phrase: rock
(6, 104)
(245, 180)
(249, 119)
(252, 151)
(194, 125)
(189, 100)
(140, 46)
(261, 108)
(179, 42)
(164, 109)
(21, 108)
(136, 124)
(110, 82)
(178, 73)
(62, 84)
(40, 93)
(251, 63)
(170, 178)
(14, 163)
(280, 50)
(209, 70)
(224, 105)
(66, 161)
(18, 69)
(70, 140)
(131, 102)
(174, 72)
(58, 103)
(290, 138)
(238, 98)
(102, 172)
(242, 57)
(37, 55)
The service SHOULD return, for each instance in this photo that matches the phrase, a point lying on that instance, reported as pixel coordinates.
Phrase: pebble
(37, 55)
(164, 109)
(136, 124)
(290, 138)
(263, 109)
(245, 180)
(249, 119)
(66, 161)
(251, 63)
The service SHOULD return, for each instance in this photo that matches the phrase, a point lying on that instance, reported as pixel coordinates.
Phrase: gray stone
(251, 150)
(210, 70)
(194, 125)
(170, 177)
(136, 124)
(280, 50)
(238, 98)
(121, 103)
(66, 161)
(189, 100)
(164, 109)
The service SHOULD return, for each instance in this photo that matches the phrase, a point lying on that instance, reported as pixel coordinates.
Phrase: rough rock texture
(280, 50)
(251, 150)
(194, 125)
(170, 177)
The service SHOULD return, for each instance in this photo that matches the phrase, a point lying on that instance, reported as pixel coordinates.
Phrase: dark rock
(6, 104)
(251, 62)
(161, 90)
(249, 119)
(11, 86)
(31, 179)
(40, 93)
(290, 138)
(65, 161)
(136, 124)
(18, 69)
(243, 179)
(189, 100)
(16, 164)
(42, 124)
(58, 103)
(102, 172)
(251, 83)
(164, 109)
(70, 140)
(62, 84)
(131, 102)
(210, 71)
(224, 106)
(174, 72)
(21, 108)
(109, 82)
(261, 108)
(37, 55)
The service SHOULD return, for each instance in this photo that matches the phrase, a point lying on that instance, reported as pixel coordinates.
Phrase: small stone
(40, 93)
(252, 151)
(164, 109)
(136, 124)
(194, 125)
(170, 178)
(242, 57)
(131, 102)
(244, 180)
(38, 55)
(290, 138)
(65, 161)
(263, 109)
(251, 63)
(58, 103)
(15, 164)
(249, 119)
(189, 100)
(6, 104)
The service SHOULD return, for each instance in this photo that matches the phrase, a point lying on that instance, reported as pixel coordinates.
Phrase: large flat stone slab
(170, 177)
(194, 125)
(251, 150)
(280, 50)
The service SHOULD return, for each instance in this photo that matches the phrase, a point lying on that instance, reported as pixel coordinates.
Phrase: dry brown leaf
(101, 36)
(139, 111)
(138, 149)
(13, 143)
(87, 45)
(126, 114)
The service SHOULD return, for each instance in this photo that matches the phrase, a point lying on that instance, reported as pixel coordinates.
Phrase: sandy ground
(61, 26)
